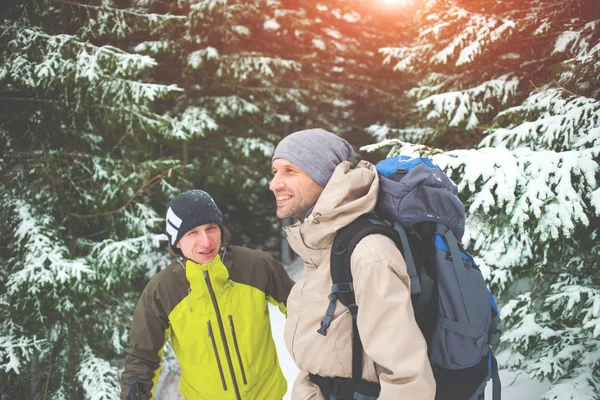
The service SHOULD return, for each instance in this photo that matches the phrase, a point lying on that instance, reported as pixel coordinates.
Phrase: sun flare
(395, 2)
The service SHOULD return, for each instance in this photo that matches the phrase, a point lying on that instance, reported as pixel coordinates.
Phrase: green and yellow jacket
(216, 316)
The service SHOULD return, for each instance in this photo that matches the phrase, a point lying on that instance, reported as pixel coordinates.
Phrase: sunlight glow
(395, 2)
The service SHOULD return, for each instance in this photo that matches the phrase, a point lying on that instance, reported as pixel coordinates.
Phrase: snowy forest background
(111, 107)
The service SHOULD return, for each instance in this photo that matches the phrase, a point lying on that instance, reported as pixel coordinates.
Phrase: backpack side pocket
(461, 336)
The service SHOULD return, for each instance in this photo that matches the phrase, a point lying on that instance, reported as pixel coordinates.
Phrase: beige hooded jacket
(395, 352)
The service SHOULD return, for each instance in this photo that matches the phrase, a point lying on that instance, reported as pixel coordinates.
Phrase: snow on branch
(477, 32)
(65, 53)
(15, 347)
(535, 197)
(243, 66)
(528, 329)
(86, 75)
(141, 219)
(415, 135)
(435, 83)
(108, 21)
(197, 58)
(153, 46)
(195, 122)
(206, 5)
(408, 57)
(552, 121)
(114, 174)
(578, 43)
(233, 106)
(400, 147)
(45, 264)
(462, 108)
(529, 186)
(576, 302)
(110, 253)
(555, 327)
(99, 379)
(579, 384)
(248, 146)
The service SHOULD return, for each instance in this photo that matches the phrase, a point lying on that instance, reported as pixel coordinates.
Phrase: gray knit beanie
(315, 151)
(189, 210)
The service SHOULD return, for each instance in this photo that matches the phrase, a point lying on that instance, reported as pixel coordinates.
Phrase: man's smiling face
(295, 191)
(201, 244)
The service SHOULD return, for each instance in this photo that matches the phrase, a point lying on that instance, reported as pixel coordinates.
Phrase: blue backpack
(419, 209)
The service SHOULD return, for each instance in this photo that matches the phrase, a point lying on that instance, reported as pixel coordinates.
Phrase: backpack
(419, 209)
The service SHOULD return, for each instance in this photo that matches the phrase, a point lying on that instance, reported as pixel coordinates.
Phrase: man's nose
(204, 239)
(276, 184)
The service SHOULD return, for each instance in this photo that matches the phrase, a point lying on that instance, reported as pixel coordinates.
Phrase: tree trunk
(72, 363)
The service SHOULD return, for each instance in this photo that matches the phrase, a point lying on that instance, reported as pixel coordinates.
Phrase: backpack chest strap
(338, 290)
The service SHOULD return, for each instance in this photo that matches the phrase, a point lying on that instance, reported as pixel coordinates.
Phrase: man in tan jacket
(313, 183)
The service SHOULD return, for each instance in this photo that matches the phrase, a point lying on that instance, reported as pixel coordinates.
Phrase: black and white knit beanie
(189, 210)
(315, 151)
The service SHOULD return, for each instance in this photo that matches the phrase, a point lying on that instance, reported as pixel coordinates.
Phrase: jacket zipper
(237, 350)
(222, 330)
(214, 344)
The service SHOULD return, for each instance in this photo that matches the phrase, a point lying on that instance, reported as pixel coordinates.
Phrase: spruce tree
(82, 180)
(254, 71)
(112, 107)
(521, 79)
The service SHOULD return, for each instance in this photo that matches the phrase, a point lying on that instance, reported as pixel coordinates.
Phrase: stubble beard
(300, 206)
(293, 211)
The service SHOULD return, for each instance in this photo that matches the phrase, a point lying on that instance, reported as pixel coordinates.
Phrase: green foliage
(111, 108)
(523, 77)
(81, 183)
(253, 72)
(472, 61)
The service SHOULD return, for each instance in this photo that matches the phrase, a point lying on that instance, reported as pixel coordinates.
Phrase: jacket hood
(349, 194)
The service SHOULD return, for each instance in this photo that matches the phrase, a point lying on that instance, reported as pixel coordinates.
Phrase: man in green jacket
(212, 303)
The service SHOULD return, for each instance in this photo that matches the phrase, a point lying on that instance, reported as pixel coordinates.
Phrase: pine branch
(57, 103)
(128, 12)
(149, 184)
(565, 89)
(76, 41)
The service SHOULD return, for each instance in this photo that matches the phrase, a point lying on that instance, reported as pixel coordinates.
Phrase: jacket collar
(348, 194)
(195, 274)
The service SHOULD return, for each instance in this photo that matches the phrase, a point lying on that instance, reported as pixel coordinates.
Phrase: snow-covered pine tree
(82, 176)
(256, 70)
(336, 42)
(525, 75)
(234, 98)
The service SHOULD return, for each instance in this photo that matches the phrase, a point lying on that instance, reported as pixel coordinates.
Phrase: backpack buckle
(494, 337)
(326, 321)
(342, 388)
(336, 389)
(342, 287)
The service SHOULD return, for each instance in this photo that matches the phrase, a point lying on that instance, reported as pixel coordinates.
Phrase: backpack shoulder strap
(346, 241)
(342, 288)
